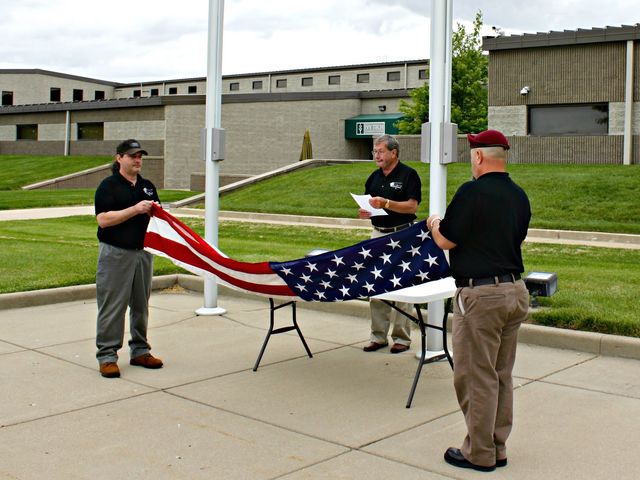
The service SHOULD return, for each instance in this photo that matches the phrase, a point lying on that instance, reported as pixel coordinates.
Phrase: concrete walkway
(338, 415)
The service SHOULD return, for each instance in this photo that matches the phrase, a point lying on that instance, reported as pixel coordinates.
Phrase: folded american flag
(401, 259)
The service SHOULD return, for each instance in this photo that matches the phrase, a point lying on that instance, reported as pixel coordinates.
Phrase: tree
(468, 86)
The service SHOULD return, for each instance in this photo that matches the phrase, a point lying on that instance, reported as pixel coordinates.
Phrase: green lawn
(17, 171)
(595, 285)
(565, 197)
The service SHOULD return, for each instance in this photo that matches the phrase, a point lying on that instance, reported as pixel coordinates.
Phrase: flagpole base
(210, 311)
(432, 356)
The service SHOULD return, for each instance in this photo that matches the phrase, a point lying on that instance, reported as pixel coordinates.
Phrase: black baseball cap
(129, 147)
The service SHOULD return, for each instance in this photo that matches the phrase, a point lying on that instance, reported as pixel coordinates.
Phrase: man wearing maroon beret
(484, 227)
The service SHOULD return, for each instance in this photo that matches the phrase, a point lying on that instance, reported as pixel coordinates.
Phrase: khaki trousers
(382, 315)
(486, 320)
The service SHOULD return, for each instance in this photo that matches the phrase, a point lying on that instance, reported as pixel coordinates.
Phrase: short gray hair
(390, 142)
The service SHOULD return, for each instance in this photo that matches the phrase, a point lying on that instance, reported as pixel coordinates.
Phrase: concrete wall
(35, 87)
(409, 78)
(510, 120)
(182, 146)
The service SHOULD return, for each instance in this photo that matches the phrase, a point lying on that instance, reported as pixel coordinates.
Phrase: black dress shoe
(453, 456)
(373, 346)
(501, 462)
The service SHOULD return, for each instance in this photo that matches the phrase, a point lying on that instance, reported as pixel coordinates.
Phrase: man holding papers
(395, 188)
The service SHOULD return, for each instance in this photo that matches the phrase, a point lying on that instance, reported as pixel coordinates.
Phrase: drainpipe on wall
(406, 72)
(628, 108)
(67, 133)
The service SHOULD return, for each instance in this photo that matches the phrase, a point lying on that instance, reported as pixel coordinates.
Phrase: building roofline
(39, 71)
(565, 37)
(282, 72)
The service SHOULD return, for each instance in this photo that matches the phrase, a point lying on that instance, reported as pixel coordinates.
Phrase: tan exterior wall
(616, 118)
(163, 88)
(35, 88)
(557, 75)
(265, 136)
(510, 120)
(182, 145)
(409, 78)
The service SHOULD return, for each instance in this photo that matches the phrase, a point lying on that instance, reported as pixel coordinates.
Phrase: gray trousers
(123, 279)
(382, 316)
(486, 320)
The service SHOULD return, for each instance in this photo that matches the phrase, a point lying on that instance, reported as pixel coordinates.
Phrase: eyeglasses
(378, 152)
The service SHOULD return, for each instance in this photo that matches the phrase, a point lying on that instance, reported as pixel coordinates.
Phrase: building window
(393, 76)
(193, 89)
(173, 90)
(257, 85)
(155, 92)
(54, 94)
(234, 86)
(7, 98)
(26, 132)
(362, 78)
(77, 94)
(91, 131)
(422, 74)
(137, 93)
(334, 79)
(99, 95)
(307, 81)
(555, 120)
(281, 83)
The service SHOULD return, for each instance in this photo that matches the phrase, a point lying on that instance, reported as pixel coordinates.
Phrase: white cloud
(142, 40)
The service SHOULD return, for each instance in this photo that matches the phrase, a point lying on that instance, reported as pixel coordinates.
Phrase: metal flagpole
(213, 145)
(439, 118)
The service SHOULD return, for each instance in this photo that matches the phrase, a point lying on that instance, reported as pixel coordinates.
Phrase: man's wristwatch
(386, 205)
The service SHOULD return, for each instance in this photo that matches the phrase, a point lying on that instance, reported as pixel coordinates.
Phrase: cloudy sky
(139, 40)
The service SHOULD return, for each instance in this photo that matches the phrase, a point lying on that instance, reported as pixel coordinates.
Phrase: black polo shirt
(117, 193)
(487, 219)
(402, 183)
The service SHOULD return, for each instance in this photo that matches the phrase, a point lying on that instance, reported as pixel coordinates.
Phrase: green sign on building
(369, 126)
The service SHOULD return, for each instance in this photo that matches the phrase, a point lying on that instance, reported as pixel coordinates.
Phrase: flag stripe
(169, 237)
(184, 257)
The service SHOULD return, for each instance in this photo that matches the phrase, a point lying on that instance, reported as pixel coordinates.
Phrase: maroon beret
(488, 138)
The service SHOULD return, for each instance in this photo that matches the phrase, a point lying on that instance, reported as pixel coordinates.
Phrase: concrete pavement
(338, 415)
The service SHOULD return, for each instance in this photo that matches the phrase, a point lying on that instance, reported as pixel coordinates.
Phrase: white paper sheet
(363, 202)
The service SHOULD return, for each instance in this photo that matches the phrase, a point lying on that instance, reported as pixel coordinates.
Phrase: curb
(589, 342)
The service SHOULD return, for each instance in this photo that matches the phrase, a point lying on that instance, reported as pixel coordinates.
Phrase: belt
(476, 282)
(392, 229)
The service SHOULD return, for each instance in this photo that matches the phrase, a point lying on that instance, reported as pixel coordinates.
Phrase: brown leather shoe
(147, 361)
(109, 370)
(399, 348)
(373, 346)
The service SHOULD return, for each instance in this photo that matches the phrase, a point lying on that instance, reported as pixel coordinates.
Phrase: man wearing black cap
(484, 227)
(122, 205)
